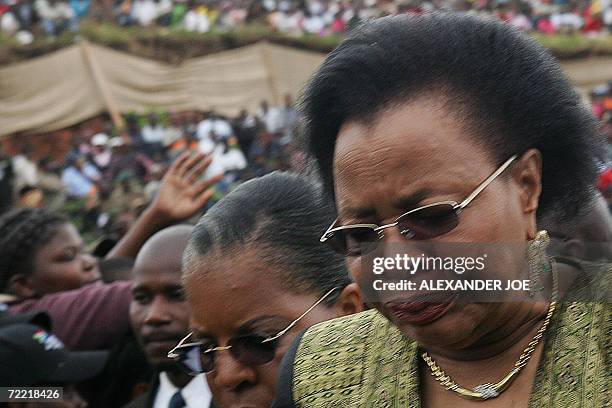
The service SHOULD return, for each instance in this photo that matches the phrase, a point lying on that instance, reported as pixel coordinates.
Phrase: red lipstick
(419, 313)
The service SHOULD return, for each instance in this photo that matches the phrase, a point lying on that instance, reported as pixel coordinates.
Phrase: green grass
(175, 45)
(576, 45)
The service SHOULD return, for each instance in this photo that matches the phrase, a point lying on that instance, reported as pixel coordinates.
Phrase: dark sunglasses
(249, 349)
(424, 222)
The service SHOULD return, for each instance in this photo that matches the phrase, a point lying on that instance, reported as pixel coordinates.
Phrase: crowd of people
(107, 178)
(22, 18)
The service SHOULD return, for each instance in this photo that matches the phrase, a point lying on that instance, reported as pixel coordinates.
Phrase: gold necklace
(486, 391)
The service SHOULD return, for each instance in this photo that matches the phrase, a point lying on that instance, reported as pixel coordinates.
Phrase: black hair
(510, 91)
(22, 233)
(282, 215)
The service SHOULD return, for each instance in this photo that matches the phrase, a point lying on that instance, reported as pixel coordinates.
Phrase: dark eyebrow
(138, 287)
(173, 286)
(404, 203)
(198, 335)
(248, 326)
(411, 201)
(358, 213)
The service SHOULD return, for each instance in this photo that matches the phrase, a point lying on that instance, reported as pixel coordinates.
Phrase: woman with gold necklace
(446, 128)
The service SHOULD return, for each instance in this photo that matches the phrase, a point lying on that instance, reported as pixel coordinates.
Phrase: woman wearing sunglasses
(438, 129)
(256, 275)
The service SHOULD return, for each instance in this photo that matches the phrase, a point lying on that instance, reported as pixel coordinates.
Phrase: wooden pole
(101, 84)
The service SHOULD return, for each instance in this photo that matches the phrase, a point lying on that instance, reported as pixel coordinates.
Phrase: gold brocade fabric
(364, 361)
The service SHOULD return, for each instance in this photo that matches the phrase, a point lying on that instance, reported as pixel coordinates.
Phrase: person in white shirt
(226, 158)
(160, 318)
(213, 123)
(271, 118)
(100, 150)
(153, 135)
(25, 170)
(55, 15)
(153, 131)
(196, 20)
(144, 12)
(313, 24)
(80, 178)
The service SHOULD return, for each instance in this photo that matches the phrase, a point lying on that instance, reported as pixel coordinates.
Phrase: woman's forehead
(410, 148)
(244, 308)
(65, 235)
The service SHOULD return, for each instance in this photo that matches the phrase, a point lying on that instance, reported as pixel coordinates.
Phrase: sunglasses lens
(250, 351)
(190, 361)
(353, 241)
(207, 361)
(429, 222)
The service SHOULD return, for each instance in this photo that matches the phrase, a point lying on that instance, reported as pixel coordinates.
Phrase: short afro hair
(511, 92)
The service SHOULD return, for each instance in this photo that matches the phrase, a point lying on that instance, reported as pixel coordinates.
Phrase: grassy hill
(174, 46)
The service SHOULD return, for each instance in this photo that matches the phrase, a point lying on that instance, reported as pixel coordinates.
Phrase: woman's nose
(231, 375)
(90, 266)
(392, 235)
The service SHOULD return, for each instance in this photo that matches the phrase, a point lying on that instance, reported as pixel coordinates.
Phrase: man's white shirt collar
(196, 394)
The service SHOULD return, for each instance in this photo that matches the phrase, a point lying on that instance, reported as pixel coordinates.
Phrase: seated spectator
(164, 12)
(56, 16)
(245, 127)
(175, 131)
(289, 117)
(186, 143)
(24, 169)
(566, 21)
(100, 151)
(50, 182)
(313, 24)
(124, 14)
(144, 12)
(133, 129)
(80, 8)
(256, 275)
(226, 158)
(214, 123)
(126, 162)
(545, 26)
(43, 266)
(160, 319)
(198, 19)
(270, 117)
(80, 179)
(153, 134)
(25, 12)
(9, 23)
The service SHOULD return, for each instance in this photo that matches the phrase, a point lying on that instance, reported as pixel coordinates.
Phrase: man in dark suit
(160, 319)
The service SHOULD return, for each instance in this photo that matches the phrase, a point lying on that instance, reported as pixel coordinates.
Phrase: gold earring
(539, 262)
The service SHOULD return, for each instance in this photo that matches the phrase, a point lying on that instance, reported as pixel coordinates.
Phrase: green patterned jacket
(364, 361)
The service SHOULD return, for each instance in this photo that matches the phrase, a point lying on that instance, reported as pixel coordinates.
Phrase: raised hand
(182, 192)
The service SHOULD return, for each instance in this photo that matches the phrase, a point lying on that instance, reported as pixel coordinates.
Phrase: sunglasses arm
(172, 354)
(325, 236)
(485, 183)
(293, 323)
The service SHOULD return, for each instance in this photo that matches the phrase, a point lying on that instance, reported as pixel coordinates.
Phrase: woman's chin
(442, 325)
